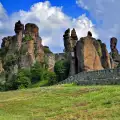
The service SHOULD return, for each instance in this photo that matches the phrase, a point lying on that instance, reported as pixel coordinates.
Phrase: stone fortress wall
(105, 77)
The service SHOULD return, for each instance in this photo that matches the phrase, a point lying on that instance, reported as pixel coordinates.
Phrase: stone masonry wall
(101, 77)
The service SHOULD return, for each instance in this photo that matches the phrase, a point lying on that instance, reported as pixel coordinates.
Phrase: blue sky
(55, 16)
(70, 8)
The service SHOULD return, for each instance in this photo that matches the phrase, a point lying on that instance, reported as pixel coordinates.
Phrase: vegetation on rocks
(26, 78)
(47, 50)
(27, 38)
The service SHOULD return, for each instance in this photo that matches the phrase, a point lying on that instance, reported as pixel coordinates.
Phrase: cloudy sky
(53, 17)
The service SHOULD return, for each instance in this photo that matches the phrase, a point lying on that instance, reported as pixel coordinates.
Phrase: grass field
(66, 102)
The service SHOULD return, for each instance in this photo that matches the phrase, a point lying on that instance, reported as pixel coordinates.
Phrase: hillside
(67, 102)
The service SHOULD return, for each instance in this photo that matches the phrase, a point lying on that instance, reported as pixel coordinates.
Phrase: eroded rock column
(19, 28)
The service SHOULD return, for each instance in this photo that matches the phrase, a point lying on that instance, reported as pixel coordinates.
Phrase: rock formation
(113, 44)
(97, 45)
(19, 29)
(70, 41)
(21, 50)
(105, 58)
(114, 52)
(32, 48)
(87, 55)
(39, 50)
(74, 38)
(66, 38)
(25, 48)
(50, 61)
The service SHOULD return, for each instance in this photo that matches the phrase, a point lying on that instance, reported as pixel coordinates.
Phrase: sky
(53, 17)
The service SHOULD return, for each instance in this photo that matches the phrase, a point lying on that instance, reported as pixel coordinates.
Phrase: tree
(62, 69)
(23, 79)
(119, 65)
(37, 72)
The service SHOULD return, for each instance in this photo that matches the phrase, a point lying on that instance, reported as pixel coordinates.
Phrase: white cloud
(52, 23)
(106, 13)
(3, 14)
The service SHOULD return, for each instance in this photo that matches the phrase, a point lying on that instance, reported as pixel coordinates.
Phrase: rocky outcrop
(1, 67)
(113, 44)
(74, 38)
(70, 41)
(66, 38)
(87, 55)
(39, 50)
(50, 59)
(105, 58)
(32, 48)
(97, 45)
(114, 52)
(21, 50)
(19, 29)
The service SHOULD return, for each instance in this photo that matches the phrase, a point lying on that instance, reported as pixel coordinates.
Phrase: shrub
(22, 82)
(51, 77)
(23, 79)
(2, 87)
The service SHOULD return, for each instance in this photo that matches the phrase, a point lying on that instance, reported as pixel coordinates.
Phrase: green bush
(23, 79)
(61, 69)
(22, 82)
(41, 73)
(51, 77)
(36, 76)
(2, 87)
(37, 72)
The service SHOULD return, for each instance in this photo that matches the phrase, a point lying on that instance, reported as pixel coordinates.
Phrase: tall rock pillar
(19, 28)
(69, 43)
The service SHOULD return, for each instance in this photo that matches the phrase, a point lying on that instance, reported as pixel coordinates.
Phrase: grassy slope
(62, 103)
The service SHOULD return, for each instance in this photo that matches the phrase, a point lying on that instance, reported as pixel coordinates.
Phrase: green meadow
(62, 102)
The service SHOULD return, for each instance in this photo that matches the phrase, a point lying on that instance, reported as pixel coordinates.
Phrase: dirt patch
(84, 91)
(81, 104)
(1, 105)
(80, 115)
